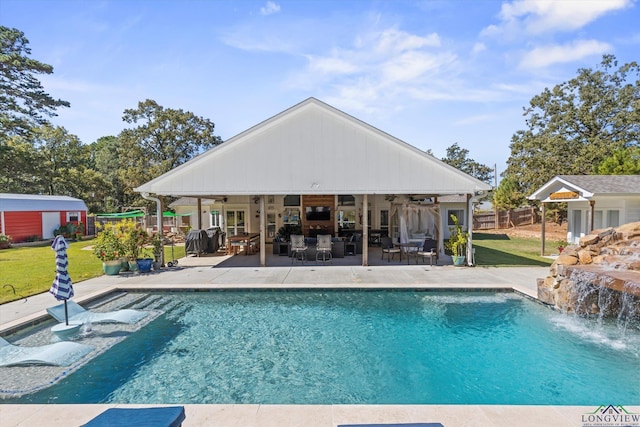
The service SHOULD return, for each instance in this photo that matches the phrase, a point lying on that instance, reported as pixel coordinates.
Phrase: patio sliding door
(235, 222)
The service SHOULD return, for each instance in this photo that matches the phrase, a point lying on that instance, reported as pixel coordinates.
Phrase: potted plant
(5, 241)
(457, 243)
(134, 240)
(109, 249)
(156, 242)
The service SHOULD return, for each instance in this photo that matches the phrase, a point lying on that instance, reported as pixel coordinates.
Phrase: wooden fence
(506, 219)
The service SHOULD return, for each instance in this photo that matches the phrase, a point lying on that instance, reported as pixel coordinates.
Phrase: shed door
(50, 221)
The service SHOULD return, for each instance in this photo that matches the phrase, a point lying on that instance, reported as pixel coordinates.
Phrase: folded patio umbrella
(62, 288)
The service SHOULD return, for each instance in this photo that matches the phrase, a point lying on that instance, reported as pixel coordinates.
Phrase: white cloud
(544, 16)
(544, 56)
(378, 68)
(479, 47)
(269, 8)
(333, 64)
(540, 16)
(393, 40)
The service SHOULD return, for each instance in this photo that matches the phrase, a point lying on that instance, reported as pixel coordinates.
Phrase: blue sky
(432, 73)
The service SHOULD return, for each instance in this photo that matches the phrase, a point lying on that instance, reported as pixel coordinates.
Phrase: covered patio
(317, 170)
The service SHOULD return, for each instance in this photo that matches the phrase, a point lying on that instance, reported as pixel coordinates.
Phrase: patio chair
(324, 247)
(387, 248)
(298, 248)
(429, 250)
(58, 354)
(78, 313)
(168, 416)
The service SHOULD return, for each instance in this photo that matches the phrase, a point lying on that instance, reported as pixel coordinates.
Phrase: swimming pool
(360, 347)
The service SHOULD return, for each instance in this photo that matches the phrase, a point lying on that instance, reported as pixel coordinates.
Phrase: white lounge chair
(78, 313)
(59, 354)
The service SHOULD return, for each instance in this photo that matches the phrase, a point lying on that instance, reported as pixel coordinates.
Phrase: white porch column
(365, 230)
(543, 229)
(263, 233)
(440, 229)
(470, 200)
(199, 213)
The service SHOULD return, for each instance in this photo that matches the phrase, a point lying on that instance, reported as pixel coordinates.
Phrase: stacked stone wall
(608, 257)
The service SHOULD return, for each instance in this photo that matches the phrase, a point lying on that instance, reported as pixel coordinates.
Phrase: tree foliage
(50, 161)
(624, 161)
(507, 196)
(163, 139)
(168, 137)
(459, 159)
(23, 102)
(17, 159)
(573, 127)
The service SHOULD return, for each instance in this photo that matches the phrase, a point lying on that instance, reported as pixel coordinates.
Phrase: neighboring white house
(593, 201)
(323, 169)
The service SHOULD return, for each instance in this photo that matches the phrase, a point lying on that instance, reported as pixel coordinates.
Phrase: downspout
(477, 196)
(158, 221)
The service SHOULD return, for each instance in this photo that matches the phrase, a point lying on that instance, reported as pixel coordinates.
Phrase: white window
(347, 219)
(597, 220)
(216, 219)
(291, 200)
(384, 220)
(459, 213)
(613, 218)
(73, 216)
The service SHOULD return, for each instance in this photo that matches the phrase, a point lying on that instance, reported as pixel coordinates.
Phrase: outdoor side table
(64, 332)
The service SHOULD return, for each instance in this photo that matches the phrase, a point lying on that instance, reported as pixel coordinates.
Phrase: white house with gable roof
(324, 170)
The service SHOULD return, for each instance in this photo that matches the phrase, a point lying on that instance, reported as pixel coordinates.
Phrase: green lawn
(31, 270)
(504, 251)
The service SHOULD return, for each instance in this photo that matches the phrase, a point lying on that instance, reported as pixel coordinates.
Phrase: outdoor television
(318, 213)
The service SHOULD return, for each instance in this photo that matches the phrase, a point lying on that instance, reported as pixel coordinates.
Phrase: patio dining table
(240, 239)
(406, 248)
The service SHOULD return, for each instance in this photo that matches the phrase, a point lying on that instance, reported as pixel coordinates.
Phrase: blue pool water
(372, 347)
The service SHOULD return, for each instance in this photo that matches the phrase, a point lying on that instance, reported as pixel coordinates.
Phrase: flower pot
(133, 266)
(157, 265)
(144, 264)
(111, 268)
(124, 265)
(458, 260)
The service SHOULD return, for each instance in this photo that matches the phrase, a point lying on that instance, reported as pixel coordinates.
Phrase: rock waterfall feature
(599, 276)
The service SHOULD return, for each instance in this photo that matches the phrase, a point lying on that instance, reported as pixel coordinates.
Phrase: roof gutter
(473, 199)
(159, 222)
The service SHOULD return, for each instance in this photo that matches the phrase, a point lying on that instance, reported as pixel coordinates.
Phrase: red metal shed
(24, 216)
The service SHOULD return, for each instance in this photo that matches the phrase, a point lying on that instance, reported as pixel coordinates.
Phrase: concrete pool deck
(195, 273)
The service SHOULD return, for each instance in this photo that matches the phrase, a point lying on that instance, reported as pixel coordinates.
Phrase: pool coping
(321, 415)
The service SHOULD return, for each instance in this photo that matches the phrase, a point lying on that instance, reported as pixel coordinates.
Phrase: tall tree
(459, 158)
(23, 102)
(573, 127)
(507, 196)
(107, 162)
(17, 159)
(163, 139)
(625, 161)
(59, 152)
